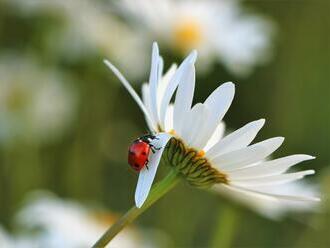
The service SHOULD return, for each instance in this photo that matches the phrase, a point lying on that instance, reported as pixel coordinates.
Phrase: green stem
(225, 229)
(156, 193)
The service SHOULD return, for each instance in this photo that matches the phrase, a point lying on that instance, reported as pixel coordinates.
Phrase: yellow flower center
(200, 153)
(16, 99)
(187, 35)
(172, 132)
(103, 218)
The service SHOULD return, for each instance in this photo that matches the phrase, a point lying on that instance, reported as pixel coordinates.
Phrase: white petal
(296, 198)
(146, 101)
(147, 176)
(160, 68)
(298, 188)
(169, 118)
(162, 85)
(236, 140)
(261, 203)
(184, 97)
(271, 180)
(153, 80)
(248, 155)
(145, 95)
(130, 89)
(216, 136)
(269, 168)
(193, 124)
(278, 196)
(218, 103)
(172, 85)
(169, 74)
(269, 204)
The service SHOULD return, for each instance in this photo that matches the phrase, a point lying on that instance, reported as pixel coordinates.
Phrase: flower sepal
(190, 165)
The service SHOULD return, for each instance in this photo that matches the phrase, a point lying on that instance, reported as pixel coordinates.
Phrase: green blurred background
(87, 160)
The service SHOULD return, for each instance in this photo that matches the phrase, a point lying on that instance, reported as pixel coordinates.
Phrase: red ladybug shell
(138, 154)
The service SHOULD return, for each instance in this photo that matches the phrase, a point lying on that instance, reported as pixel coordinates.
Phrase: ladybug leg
(154, 149)
(147, 164)
(151, 138)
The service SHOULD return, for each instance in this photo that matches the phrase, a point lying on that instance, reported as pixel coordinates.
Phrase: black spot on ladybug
(136, 165)
(144, 153)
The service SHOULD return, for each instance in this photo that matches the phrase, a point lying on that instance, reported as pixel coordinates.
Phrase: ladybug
(139, 150)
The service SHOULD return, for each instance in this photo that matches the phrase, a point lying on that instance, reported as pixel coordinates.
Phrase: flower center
(187, 35)
(16, 99)
(192, 165)
(200, 153)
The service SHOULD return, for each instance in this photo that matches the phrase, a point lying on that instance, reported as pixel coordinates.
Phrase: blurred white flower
(49, 221)
(35, 102)
(6, 240)
(90, 27)
(200, 153)
(220, 30)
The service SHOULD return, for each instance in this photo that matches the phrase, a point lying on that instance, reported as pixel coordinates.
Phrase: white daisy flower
(48, 221)
(195, 146)
(88, 28)
(220, 30)
(35, 102)
(5, 239)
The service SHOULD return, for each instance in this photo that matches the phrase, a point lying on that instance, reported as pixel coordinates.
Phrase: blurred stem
(225, 227)
(156, 193)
